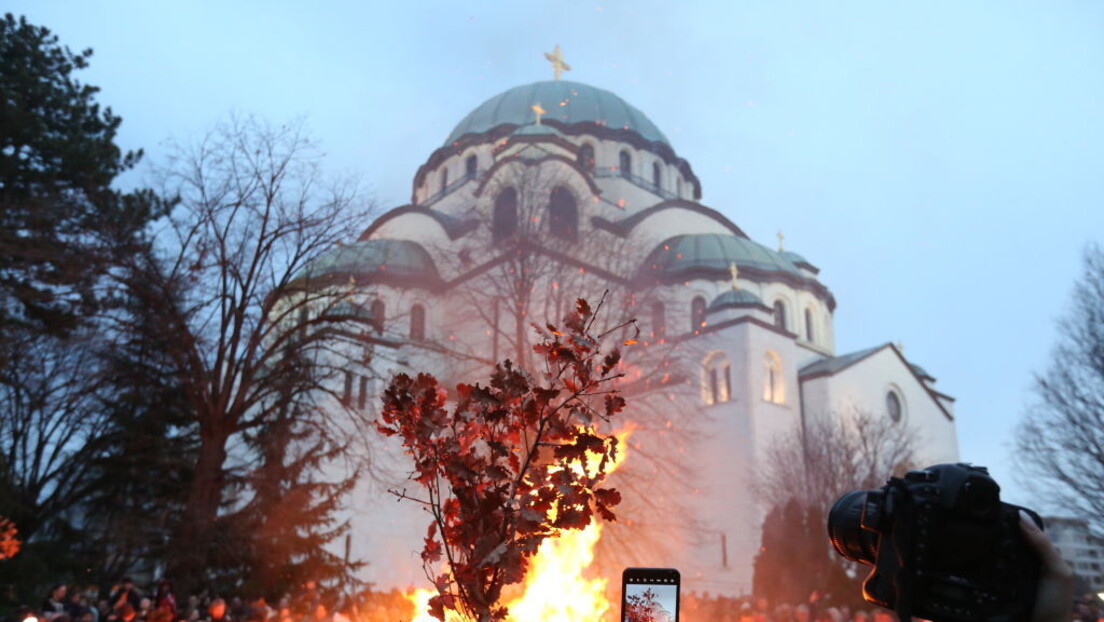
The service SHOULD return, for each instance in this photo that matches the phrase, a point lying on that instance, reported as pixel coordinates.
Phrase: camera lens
(846, 532)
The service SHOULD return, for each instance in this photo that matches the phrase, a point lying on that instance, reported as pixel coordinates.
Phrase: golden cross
(780, 238)
(538, 110)
(558, 64)
(735, 272)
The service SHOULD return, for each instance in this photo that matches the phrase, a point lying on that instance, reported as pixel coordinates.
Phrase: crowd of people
(125, 602)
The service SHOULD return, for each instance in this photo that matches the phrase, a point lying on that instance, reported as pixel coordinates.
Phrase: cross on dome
(558, 64)
(780, 238)
(536, 108)
(735, 272)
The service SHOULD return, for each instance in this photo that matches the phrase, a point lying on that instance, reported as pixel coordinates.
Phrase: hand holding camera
(944, 547)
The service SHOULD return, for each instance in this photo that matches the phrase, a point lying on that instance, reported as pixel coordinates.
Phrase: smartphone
(650, 595)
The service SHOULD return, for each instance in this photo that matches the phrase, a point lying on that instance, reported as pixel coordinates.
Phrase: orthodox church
(554, 190)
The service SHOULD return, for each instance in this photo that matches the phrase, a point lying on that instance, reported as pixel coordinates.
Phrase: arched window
(379, 314)
(774, 387)
(809, 325)
(678, 186)
(563, 214)
(417, 322)
(586, 157)
(893, 406)
(716, 380)
(444, 179)
(656, 173)
(626, 164)
(697, 314)
(469, 167)
(780, 314)
(504, 222)
(659, 321)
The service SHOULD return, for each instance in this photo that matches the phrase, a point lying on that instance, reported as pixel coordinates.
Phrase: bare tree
(1060, 439)
(253, 332)
(798, 480)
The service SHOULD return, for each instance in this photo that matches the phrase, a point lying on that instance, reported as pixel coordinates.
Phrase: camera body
(943, 546)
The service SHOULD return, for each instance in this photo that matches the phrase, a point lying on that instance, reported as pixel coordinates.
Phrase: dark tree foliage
(1060, 440)
(60, 220)
(794, 559)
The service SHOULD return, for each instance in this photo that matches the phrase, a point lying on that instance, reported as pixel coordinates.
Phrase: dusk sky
(942, 163)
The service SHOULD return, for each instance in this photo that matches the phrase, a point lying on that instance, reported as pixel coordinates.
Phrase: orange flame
(554, 589)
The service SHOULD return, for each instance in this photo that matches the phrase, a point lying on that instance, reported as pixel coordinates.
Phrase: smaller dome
(921, 372)
(736, 299)
(379, 259)
(682, 255)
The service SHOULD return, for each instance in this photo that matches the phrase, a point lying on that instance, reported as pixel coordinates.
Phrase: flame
(554, 589)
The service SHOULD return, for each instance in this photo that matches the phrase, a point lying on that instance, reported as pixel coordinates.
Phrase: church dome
(683, 255)
(735, 299)
(567, 103)
(400, 261)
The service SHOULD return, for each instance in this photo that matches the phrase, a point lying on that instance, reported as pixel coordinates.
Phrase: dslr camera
(943, 546)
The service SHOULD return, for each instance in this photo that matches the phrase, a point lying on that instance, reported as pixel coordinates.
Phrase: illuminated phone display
(650, 595)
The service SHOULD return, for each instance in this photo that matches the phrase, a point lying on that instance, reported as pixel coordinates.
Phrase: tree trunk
(191, 549)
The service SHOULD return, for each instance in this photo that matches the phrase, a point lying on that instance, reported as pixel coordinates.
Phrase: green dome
(735, 298)
(392, 259)
(684, 254)
(566, 102)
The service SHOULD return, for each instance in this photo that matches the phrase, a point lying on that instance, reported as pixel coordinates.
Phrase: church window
(656, 176)
(417, 322)
(504, 222)
(893, 406)
(362, 397)
(809, 325)
(659, 321)
(563, 214)
(716, 379)
(379, 314)
(586, 158)
(780, 314)
(678, 186)
(774, 388)
(444, 180)
(470, 166)
(697, 313)
(626, 164)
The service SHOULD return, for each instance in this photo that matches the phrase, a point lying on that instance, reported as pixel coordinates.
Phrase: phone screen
(649, 595)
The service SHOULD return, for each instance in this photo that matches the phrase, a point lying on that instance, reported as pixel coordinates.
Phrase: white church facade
(555, 190)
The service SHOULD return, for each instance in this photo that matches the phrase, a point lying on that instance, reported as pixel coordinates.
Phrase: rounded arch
(417, 322)
(471, 166)
(781, 313)
(810, 325)
(774, 383)
(657, 175)
(659, 320)
(504, 220)
(444, 179)
(697, 313)
(586, 158)
(563, 214)
(624, 163)
(716, 378)
(379, 314)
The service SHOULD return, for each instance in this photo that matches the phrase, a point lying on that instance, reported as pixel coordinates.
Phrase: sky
(942, 163)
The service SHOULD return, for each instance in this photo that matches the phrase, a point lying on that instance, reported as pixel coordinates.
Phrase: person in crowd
(54, 605)
(125, 593)
(164, 598)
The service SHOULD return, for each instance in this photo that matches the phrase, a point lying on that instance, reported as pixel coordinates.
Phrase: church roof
(392, 260)
(567, 103)
(798, 260)
(735, 298)
(717, 251)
